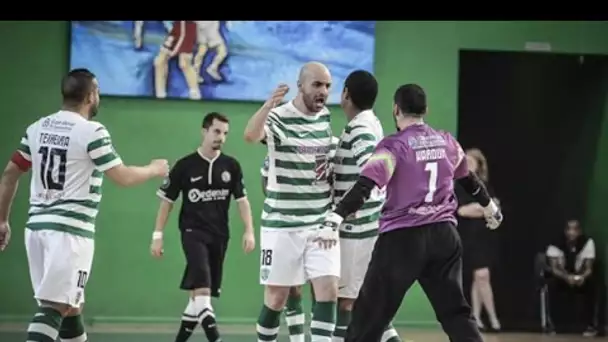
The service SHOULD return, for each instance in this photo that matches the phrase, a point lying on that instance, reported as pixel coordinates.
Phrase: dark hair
(575, 222)
(209, 118)
(76, 86)
(362, 88)
(411, 100)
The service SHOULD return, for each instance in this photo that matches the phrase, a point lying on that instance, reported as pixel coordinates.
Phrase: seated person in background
(571, 259)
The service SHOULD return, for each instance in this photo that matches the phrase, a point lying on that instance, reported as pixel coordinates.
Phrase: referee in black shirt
(207, 179)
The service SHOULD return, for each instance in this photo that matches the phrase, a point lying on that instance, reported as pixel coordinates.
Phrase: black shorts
(430, 254)
(204, 262)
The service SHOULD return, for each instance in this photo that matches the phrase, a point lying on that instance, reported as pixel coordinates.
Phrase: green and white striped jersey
(69, 155)
(298, 189)
(332, 153)
(357, 143)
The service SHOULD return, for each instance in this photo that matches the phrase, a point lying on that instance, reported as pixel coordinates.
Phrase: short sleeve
(274, 129)
(101, 151)
(24, 147)
(554, 252)
(588, 251)
(238, 190)
(381, 164)
(172, 185)
(362, 144)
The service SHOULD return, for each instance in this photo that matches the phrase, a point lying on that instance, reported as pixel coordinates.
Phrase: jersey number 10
(53, 161)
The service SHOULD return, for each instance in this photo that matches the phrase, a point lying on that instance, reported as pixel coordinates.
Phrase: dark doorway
(537, 118)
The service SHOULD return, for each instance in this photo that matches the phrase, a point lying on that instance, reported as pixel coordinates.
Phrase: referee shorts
(430, 254)
(204, 262)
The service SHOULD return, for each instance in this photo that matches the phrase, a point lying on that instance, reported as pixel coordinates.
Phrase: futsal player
(206, 179)
(418, 240)
(358, 232)
(299, 139)
(68, 155)
(294, 313)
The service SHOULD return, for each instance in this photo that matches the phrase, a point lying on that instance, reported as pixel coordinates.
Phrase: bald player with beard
(299, 138)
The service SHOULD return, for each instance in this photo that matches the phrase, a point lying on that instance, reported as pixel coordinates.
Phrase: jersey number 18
(53, 161)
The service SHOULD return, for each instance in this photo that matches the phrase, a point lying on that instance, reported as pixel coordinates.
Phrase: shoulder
(281, 110)
(94, 126)
(229, 160)
(392, 143)
(186, 160)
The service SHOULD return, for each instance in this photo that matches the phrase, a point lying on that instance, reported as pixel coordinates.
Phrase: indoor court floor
(165, 333)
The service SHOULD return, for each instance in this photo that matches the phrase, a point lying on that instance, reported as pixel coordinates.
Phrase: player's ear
(395, 110)
(91, 97)
(345, 93)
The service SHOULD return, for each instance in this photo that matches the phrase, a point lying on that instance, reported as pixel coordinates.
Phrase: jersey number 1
(431, 168)
(53, 161)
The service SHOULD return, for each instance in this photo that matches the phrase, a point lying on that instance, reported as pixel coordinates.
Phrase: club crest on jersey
(226, 177)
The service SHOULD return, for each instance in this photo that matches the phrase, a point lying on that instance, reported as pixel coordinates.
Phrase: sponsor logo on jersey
(196, 195)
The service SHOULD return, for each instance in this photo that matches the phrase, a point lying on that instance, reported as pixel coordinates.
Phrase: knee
(201, 292)
(326, 288)
(184, 62)
(346, 304)
(295, 292)
(275, 297)
(482, 275)
(159, 60)
(74, 312)
(63, 309)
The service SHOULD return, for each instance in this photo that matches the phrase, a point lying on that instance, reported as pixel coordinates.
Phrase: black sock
(72, 329)
(209, 325)
(206, 316)
(185, 331)
(189, 322)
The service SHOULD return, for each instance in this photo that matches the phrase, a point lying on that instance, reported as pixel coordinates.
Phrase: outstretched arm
(378, 171)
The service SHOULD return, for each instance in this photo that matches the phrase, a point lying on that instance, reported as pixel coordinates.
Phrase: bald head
(313, 85)
(313, 70)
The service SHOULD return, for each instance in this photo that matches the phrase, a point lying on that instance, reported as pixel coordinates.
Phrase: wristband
(157, 235)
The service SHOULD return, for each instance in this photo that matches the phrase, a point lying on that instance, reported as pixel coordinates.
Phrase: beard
(93, 111)
(396, 125)
(314, 103)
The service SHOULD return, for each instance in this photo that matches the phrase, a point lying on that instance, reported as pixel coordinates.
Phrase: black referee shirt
(206, 187)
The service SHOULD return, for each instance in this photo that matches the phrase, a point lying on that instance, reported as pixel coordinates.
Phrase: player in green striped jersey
(358, 232)
(294, 313)
(298, 135)
(68, 155)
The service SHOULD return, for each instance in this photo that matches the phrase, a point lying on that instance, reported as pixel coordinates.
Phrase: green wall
(126, 284)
